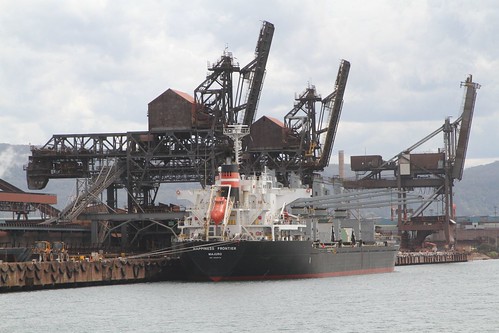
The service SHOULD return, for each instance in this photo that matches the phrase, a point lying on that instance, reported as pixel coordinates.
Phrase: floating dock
(421, 258)
(20, 276)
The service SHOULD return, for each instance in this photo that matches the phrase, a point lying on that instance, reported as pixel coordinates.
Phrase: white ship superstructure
(250, 208)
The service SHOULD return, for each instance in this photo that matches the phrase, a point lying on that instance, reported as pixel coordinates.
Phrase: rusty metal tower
(408, 171)
(185, 141)
(303, 143)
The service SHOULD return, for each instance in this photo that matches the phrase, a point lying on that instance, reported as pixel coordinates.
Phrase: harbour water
(459, 297)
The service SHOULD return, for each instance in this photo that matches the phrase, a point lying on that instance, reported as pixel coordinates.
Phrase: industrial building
(185, 142)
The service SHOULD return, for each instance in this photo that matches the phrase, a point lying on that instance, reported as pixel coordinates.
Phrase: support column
(94, 232)
(124, 236)
(111, 197)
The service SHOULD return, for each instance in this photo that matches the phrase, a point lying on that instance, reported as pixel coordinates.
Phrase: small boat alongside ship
(245, 228)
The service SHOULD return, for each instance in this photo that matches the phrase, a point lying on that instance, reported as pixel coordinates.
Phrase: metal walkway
(105, 178)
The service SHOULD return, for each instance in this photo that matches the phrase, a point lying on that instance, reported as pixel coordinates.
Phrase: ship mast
(237, 132)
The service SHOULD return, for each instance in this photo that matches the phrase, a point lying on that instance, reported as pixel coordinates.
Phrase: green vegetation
(489, 250)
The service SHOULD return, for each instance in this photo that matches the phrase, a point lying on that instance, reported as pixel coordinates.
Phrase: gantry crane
(140, 161)
(214, 97)
(162, 156)
(408, 172)
(305, 138)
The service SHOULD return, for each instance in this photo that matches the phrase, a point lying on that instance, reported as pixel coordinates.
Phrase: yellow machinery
(59, 251)
(45, 251)
(42, 251)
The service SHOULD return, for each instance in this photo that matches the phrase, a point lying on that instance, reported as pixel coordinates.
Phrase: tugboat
(240, 229)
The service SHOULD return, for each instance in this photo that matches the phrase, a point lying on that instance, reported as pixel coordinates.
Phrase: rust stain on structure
(421, 258)
(48, 199)
(53, 274)
(171, 110)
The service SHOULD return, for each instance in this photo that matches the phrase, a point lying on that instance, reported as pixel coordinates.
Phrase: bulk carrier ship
(240, 229)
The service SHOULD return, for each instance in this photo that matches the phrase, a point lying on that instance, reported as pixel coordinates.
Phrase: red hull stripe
(302, 276)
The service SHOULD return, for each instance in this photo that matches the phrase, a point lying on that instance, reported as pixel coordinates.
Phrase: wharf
(421, 258)
(20, 276)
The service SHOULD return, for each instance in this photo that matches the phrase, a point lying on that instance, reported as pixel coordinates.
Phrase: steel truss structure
(315, 133)
(406, 174)
(140, 161)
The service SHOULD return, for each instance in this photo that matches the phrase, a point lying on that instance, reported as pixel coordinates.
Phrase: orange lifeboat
(218, 212)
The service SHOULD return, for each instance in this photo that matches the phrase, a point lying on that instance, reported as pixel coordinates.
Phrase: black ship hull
(267, 260)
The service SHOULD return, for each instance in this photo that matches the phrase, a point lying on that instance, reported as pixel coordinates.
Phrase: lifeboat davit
(218, 212)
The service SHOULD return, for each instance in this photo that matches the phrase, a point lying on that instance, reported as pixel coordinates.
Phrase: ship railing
(321, 245)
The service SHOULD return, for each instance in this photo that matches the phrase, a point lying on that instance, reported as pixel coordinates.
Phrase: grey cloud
(78, 62)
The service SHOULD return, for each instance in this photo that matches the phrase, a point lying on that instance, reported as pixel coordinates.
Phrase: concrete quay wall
(53, 274)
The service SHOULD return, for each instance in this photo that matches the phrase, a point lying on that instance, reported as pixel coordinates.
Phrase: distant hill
(476, 194)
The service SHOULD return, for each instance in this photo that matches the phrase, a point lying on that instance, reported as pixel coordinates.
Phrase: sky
(78, 67)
